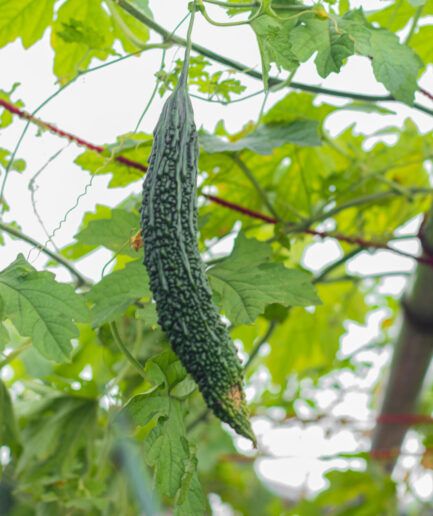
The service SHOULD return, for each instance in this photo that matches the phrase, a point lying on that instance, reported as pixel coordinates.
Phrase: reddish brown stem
(426, 260)
(71, 137)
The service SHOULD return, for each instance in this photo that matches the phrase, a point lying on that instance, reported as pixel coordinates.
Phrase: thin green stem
(155, 89)
(230, 24)
(414, 24)
(13, 354)
(81, 280)
(394, 13)
(147, 106)
(32, 189)
(349, 277)
(131, 359)
(260, 343)
(248, 173)
(141, 16)
(327, 270)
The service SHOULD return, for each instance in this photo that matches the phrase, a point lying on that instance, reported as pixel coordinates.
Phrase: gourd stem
(183, 80)
(132, 360)
(256, 184)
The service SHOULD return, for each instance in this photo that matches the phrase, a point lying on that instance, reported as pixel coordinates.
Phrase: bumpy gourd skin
(177, 276)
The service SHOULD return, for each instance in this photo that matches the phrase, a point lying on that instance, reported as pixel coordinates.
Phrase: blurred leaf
(41, 308)
(9, 431)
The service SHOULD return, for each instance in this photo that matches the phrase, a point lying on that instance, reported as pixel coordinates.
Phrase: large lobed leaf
(246, 281)
(41, 308)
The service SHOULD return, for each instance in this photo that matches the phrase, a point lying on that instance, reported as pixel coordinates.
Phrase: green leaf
(189, 498)
(266, 138)
(247, 281)
(26, 19)
(395, 65)
(166, 446)
(320, 36)
(9, 431)
(82, 30)
(18, 164)
(148, 314)
(117, 291)
(41, 308)
(57, 433)
(274, 44)
(422, 42)
(135, 147)
(112, 232)
(6, 116)
(396, 16)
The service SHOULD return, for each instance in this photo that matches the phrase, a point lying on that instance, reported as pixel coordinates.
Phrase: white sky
(103, 104)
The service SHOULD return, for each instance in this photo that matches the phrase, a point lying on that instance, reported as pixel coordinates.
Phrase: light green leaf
(247, 281)
(18, 164)
(26, 19)
(266, 138)
(82, 30)
(117, 291)
(395, 65)
(113, 232)
(422, 42)
(41, 308)
(135, 147)
(6, 116)
(320, 35)
(417, 3)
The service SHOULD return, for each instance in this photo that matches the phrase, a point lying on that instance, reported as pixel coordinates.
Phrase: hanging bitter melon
(177, 275)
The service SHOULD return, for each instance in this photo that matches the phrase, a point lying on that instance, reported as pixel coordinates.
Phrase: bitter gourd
(177, 275)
